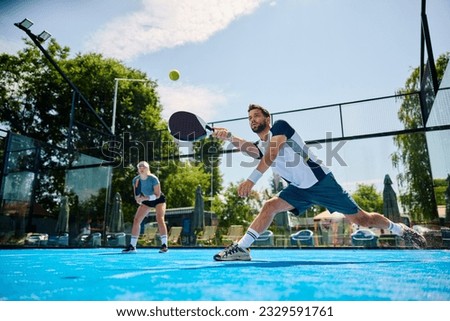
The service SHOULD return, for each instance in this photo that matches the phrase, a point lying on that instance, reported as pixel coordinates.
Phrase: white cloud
(165, 24)
(199, 100)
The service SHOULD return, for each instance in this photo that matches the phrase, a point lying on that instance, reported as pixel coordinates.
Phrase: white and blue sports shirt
(295, 163)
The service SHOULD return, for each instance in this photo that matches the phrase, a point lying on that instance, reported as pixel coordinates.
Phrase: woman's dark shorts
(160, 200)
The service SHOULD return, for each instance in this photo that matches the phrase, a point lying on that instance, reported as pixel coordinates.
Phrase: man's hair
(262, 109)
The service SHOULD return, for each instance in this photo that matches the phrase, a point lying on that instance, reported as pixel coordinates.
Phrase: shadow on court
(287, 264)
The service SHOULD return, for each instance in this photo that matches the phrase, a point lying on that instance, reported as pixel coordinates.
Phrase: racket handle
(229, 134)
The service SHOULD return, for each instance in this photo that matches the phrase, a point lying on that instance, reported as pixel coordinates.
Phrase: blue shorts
(327, 193)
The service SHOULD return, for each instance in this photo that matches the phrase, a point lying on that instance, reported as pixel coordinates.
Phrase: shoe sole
(218, 258)
(423, 243)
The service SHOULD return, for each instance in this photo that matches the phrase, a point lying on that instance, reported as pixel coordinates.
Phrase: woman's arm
(157, 190)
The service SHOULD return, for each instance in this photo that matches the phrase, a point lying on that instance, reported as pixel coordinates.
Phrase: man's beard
(260, 128)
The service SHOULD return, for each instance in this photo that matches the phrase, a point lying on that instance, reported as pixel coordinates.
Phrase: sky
(282, 54)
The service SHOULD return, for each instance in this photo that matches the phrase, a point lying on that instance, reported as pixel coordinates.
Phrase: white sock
(164, 239)
(247, 240)
(395, 228)
(134, 240)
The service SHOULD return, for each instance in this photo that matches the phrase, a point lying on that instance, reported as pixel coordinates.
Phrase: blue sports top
(295, 163)
(145, 187)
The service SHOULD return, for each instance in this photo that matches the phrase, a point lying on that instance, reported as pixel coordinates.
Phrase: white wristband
(152, 197)
(255, 176)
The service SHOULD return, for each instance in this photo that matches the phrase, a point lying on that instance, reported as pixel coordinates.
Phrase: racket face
(187, 126)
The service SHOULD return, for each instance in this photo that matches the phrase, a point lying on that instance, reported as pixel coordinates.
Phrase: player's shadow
(287, 264)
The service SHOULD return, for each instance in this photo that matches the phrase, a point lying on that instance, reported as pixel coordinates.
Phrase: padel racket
(186, 126)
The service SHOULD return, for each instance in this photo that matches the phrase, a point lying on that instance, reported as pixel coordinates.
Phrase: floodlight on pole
(25, 24)
(43, 36)
(116, 88)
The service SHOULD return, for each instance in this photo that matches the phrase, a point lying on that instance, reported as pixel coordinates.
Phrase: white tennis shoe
(233, 253)
(412, 237)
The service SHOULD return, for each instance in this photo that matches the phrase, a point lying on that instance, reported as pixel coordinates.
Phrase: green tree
(34, 99)
(232, 209)
(440, 186)
(412, 155)
(180, 187)
(208, 155)
(36, 102)
(368, 198)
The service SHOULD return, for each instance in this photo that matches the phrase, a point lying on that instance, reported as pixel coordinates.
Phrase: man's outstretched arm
(244, 146)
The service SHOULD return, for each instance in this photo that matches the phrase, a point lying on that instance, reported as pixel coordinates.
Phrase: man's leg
(239, 251)
(366, 219)
(263, 220)
(377, 220)
(330, 194)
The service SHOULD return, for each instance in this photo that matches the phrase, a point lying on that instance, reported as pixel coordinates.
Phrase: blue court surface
(191, 274)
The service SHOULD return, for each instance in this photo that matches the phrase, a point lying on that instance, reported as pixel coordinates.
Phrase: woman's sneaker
(233, 253)
(129, 249)
(163, 249)
(412, 237)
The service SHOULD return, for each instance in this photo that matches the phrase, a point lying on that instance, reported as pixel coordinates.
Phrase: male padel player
(309, 183)
(147, 192)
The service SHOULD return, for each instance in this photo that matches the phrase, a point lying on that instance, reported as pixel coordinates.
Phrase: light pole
(25, 25)
(113, 131)
(116, 88)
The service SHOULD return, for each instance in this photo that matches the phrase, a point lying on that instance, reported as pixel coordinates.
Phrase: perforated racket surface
(187, 126)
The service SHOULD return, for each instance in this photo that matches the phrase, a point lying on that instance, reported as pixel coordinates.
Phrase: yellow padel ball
(174, 74)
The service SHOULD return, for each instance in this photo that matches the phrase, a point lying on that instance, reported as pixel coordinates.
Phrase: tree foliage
(208, 155)
(440, 187)
(235, 210)
(180, 187)
(367, 197)
(37, 102)
(412, 156)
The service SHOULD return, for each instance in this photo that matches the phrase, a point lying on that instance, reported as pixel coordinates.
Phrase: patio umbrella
(62, 226)
(390, 205)
(198, 220)
(116, 219)
(447, 198)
